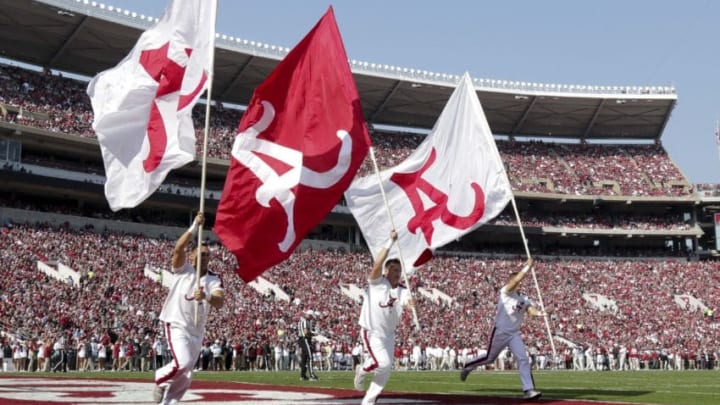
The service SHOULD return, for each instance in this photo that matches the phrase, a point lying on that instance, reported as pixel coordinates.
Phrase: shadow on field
(511, 398)
(590, 394)
(559, 393)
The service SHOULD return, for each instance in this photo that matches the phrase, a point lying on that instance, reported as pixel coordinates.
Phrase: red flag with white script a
(299, 145)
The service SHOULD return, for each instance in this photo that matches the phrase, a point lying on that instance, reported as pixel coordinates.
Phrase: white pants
(176, 376)
(589, 365)
(623, 363)
(542, 362)
(378, 362)
(578, 362)
(498, 341)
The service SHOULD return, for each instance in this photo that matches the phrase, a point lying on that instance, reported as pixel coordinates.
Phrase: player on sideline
(381, 312)
(184, 335)
(511, 311)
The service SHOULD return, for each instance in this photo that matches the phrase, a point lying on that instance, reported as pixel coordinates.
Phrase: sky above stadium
(608, 43)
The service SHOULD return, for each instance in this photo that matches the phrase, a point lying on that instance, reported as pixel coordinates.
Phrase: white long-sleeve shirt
(382, 307)
(179, 307)
(512, 307)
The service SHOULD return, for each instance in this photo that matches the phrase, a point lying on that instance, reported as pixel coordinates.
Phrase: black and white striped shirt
(303, 327)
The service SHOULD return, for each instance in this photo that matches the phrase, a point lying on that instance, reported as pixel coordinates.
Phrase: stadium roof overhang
(81, 38)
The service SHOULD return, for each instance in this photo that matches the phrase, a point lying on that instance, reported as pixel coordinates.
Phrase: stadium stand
(115, 293)
(545, 167)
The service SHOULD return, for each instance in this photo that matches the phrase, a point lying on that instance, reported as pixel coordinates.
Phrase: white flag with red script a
(450, 185)
(143, 106)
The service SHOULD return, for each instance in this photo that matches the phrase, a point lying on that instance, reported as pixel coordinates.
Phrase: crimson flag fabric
(299, 145)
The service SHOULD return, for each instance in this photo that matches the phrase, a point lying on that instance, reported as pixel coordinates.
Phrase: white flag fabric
(717, 137)
(450, 185)
(143, 105)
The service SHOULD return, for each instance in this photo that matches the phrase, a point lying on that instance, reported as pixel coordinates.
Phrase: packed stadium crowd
(598, 221)
(114, 302)
(708, 190)
(50, 101)
(109, 318)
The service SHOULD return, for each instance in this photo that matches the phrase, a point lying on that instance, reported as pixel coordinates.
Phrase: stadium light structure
(256, 47)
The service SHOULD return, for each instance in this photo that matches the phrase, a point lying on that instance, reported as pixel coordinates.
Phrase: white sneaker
(359, 378)
(159, 394)
(532, 394)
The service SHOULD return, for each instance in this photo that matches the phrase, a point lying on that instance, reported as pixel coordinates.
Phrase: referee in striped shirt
(305, 331)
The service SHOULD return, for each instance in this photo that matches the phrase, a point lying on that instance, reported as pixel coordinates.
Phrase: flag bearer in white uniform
(184, 333)
(512, 307)
(380, 315)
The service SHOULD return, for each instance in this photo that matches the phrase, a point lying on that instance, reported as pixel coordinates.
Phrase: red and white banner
(300, 143)
(143, 106)
(450, 185)
(689, 303)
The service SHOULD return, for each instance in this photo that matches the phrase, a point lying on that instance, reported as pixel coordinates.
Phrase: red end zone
(33, 390)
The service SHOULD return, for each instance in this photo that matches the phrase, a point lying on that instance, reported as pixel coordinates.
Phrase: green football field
(645, 387)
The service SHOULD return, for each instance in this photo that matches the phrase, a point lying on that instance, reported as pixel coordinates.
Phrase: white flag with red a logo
(450, 185)
(300, 143)
(143, 106)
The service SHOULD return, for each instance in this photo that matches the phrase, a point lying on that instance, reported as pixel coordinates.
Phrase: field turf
(642, 387)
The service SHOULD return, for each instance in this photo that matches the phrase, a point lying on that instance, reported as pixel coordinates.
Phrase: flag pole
(527, 250)
(213, 16)
(392, 224)
(537, 286)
